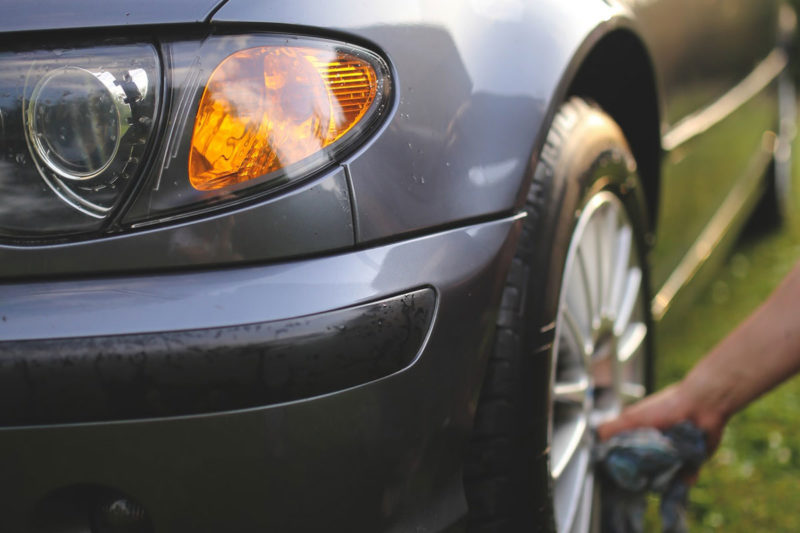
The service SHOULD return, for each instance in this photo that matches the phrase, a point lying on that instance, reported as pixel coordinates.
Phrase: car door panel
(715, 65)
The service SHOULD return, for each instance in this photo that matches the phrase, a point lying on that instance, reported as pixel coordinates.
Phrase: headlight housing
(264, 112)
(86, 148)
(75, 128)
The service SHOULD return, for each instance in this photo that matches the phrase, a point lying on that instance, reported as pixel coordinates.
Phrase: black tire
(507, 476)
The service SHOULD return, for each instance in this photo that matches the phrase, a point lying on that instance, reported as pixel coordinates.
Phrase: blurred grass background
(751, 483)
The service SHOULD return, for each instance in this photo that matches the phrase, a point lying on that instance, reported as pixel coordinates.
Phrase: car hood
(23, 15)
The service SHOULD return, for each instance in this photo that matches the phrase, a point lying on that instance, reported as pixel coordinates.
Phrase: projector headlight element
(84, 129)
(76, 124)
(76, 120)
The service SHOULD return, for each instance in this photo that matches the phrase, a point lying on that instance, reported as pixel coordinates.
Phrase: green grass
(751, 483)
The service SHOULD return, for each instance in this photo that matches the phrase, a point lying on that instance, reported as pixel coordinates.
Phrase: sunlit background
(751, 483)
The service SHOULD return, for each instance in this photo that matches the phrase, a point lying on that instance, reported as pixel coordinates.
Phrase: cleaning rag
(633, 463)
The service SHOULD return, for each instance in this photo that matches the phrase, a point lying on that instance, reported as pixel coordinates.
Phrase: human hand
(728, 378)
(674, 404)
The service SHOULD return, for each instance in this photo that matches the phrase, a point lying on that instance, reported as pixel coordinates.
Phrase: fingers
(660, 411)
(611, 428)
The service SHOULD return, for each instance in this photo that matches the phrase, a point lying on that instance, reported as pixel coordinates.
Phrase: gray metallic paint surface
(468, 114)
(697, 60)
(457, 146)
(698, 176)
(312, 219)
(234, 296)
(371, 458)
(700, 57)
(48, 15)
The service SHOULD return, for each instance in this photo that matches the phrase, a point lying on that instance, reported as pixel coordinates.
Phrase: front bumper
(380, 452)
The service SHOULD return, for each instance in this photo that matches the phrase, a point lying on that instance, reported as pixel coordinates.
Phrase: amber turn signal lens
(266, 108)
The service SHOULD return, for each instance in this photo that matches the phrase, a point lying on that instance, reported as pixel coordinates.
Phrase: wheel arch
(617, 74)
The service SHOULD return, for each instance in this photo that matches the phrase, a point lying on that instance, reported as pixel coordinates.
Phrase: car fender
(81, 14)
(476, 85)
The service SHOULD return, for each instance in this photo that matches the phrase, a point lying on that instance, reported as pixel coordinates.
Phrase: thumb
(660, 411)
(622, 423)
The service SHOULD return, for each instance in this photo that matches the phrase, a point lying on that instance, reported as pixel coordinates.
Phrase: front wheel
(572, 341)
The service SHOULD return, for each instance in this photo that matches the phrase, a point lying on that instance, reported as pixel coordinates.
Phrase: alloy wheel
(598, 353)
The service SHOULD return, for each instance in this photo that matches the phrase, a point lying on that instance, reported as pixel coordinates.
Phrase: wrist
(706, 400)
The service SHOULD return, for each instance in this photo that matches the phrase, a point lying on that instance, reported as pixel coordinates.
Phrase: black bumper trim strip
(128, 377)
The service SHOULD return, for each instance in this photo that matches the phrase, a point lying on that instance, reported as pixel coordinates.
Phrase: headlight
(265, 112)
(248, 115)
(266, 108)
(76, 127)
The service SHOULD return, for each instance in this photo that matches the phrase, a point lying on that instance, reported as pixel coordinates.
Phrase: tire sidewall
(594, 158)
(586, 153)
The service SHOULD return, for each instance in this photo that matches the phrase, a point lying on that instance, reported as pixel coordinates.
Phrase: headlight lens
(76, 120)
(265, 112)
(269, 107)
(75, 129)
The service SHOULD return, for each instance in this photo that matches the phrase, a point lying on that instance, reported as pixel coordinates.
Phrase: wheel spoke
(621, 262)
(588, 290)
(571, 392)
(632, 392)
(603, 370)
(583, 520)
(599, 245)
(572, 499)
(609, 236)
(577, 335)
(567, 440)
(631, 341)
(632, 286)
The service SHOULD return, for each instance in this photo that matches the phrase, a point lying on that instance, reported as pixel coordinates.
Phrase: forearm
(760, 353)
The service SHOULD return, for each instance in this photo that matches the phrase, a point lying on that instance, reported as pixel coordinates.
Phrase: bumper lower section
(385, 455)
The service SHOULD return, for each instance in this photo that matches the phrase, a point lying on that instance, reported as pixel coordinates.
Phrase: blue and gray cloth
(634, 463)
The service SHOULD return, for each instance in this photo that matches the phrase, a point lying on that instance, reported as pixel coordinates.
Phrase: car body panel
(235, 296)
(699, 60)
(313, 219)
(460, 116)
(51, 15)
(699, 175)
(368, 458)
(466, 114)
